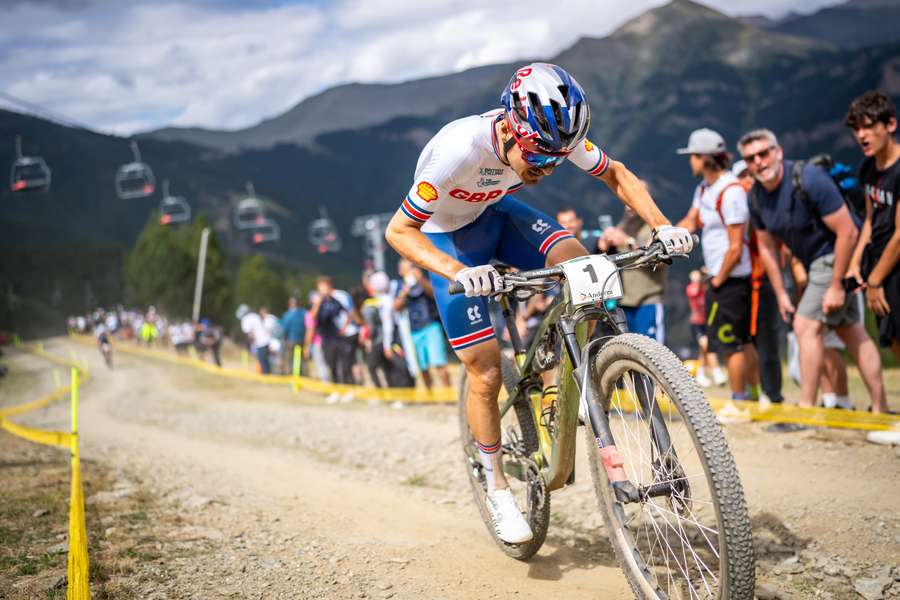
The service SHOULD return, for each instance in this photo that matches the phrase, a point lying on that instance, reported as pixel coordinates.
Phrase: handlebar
(641, 256)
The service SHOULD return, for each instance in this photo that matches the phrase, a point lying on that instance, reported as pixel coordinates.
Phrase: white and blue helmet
(546, 109)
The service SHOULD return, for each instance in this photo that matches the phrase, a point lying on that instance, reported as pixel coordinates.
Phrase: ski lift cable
(44, 112)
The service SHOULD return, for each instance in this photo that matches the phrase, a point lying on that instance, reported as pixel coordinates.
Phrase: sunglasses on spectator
(541, 161)
(762, 154)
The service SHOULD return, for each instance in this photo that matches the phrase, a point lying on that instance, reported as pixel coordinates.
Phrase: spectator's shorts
(889, 325)
(431, 349)
(647, 319)
(728, 319)
(810, 305)
(509, 231)
(698, 331)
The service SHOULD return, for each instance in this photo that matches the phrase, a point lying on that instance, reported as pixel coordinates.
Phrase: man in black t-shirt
(873, 119)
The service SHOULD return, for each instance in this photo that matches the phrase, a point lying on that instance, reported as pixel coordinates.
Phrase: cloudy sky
(130, 65)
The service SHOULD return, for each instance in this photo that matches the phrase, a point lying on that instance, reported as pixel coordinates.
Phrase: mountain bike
(664, 477)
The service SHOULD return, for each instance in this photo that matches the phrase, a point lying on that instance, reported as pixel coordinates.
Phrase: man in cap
(720, 209)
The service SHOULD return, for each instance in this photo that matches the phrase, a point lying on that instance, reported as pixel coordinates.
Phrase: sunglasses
(541, 161)
(762, 155)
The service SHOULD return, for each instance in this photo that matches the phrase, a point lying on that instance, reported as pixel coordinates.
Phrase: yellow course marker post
(78, 587)
(192, 352)
(40, 346)
(298, 358)
(245, 360)
(17, 341)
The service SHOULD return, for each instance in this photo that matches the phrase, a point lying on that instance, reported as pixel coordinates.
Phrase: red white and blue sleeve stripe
(553, 239)
(470, 339)
(415, 212)
(600, 167)
(514, 188)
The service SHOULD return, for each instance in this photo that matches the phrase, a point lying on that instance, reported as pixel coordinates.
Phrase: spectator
(833, 382)
(720, 209)
(273, 327)
(416, 297)
(332, 320)
(209, 339)
(873, 119)
(257, 335)
(815, 225)
(696, 295)
(312, 344)
(569, 219)
(644, 289)
(294, 324)
(769, 336)
(384, 355)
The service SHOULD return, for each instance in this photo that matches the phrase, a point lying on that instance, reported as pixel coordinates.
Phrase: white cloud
(124, 67)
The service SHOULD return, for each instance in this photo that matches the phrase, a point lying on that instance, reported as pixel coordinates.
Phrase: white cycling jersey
(460, 173)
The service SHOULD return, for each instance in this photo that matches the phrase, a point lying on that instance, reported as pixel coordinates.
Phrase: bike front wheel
(684, 531)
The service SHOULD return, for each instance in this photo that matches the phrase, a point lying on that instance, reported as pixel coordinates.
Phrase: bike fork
(598, 420)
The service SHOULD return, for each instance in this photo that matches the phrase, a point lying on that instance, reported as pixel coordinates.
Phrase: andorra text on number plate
(592, 278)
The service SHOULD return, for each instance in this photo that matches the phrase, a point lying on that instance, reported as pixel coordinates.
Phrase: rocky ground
(202, 487)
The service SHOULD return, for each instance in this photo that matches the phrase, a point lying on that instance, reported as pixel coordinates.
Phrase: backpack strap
(721, 198)
(798, 191)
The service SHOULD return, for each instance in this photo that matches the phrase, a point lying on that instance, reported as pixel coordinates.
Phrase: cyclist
(104, 342)
(459, 215)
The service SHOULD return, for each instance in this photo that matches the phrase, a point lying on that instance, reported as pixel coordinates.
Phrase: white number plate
(592, 278)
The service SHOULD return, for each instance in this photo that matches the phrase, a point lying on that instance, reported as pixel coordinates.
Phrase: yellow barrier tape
(60, 439)
(784, 413)
(78, 565)
(408, 395)
(780, 413)
(35, 404)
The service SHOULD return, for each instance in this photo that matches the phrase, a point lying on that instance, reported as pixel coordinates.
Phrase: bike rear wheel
(689, 537)
(519, 438)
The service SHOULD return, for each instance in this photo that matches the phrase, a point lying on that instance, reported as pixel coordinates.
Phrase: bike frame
(556, 455)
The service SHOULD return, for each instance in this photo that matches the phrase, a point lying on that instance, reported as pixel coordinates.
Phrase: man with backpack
(719, 208)
(798, 203)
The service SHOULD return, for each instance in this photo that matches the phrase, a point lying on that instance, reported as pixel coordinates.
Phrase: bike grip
(456, 288)
(696, 239)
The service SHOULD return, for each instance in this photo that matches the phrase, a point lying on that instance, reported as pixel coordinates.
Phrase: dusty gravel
(257, 492)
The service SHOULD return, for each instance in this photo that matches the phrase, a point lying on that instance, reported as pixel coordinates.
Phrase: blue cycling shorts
(509, 231)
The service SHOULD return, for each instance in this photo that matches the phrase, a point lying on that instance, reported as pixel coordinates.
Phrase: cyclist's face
(528, 173)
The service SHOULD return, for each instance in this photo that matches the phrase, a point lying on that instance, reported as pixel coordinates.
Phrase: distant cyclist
(104, 342)
(458, 216)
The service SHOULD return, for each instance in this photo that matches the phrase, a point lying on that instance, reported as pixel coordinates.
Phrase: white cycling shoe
(510, 525)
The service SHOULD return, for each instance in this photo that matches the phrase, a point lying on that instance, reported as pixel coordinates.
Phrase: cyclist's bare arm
(404, 236)
(633, 193)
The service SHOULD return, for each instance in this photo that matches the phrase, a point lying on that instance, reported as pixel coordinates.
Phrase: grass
(416, 480)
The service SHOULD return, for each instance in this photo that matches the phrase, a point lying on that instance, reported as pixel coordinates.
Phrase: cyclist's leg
(468, 327)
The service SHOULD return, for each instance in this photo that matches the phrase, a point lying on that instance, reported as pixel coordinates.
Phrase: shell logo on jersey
(426, 191)
(462, 194)
(588, 146)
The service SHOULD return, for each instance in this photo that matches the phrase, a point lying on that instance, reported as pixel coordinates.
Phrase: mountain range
(353, 148)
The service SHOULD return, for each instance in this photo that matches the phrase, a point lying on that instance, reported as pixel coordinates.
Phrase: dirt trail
(143, 417)
(294, 499)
